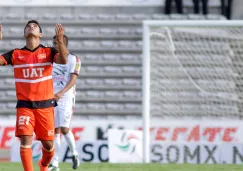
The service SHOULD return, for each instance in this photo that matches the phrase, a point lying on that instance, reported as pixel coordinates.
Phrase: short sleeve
(74, 65)
(7, 57)
(54, 54)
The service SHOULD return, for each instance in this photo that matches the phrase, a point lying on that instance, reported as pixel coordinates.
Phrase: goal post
(186, 57)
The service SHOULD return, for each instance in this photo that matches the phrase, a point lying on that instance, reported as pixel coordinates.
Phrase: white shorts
(64, 112)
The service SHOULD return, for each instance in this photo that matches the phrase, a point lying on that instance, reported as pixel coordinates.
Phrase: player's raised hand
(1, 35)
(59, 32)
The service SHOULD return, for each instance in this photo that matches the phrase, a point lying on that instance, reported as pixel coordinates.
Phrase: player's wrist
(60, 40)
(61, 93)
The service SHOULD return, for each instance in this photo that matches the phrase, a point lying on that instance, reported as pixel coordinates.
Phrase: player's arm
(5, 58)
(1, 61)
(75, 64)
(62, 56)
(69, 85)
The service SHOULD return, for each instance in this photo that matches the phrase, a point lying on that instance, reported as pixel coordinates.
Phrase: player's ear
(40, 34)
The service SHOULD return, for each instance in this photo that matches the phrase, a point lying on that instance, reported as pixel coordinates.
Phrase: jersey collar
(25, 48)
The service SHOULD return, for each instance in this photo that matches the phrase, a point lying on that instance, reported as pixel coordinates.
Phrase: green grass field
(131, 167)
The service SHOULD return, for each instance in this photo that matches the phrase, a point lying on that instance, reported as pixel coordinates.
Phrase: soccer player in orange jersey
(34, 90)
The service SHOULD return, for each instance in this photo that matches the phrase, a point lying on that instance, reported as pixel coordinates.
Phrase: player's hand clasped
(58, 95)
(59, 32)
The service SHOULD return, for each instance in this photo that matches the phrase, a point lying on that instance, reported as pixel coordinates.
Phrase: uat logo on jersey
(33, 72)
(42, 56)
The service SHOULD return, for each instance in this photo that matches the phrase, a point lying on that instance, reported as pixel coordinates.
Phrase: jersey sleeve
(75, 65)
(7, 57)
(54, 54)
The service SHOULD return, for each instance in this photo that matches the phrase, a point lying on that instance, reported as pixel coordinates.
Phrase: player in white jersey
(64, 79)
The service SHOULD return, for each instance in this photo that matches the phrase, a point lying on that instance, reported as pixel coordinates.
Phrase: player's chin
(29, 35)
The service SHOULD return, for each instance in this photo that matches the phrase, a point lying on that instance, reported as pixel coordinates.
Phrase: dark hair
(33, 21)
(65, 37)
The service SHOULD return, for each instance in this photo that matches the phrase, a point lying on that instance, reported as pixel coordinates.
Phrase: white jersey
(61, 74)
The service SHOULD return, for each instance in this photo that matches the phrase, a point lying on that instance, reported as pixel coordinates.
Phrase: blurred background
(107, 36)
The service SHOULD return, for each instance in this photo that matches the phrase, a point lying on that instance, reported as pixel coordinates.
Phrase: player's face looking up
(32, 29)
(55, 44)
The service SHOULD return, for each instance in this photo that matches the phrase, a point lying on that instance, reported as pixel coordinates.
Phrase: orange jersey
(33, 75)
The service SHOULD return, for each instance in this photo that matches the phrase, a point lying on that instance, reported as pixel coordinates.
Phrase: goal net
(191, 69)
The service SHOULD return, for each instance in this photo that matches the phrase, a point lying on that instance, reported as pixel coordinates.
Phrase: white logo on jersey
(50, 132)
(21, 57)
(33, 72)
(42, 56)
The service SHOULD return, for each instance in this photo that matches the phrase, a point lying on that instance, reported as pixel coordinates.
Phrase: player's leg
(44, 130)
(24, 130)
(47, 154)
(168, 6)
(205, 6)
(26, 152)
(66, 111)
(69, 137)
(55, 161)
(196, 6)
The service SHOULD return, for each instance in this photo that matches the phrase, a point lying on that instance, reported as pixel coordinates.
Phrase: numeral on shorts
(24, 120)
